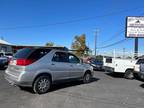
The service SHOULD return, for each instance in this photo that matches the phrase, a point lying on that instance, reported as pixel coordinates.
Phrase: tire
(136, 76)
(42, 85)
(129, 74)
(87, 78)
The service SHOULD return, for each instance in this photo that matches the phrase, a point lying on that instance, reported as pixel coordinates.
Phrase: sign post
(135, 29)
(136, 48)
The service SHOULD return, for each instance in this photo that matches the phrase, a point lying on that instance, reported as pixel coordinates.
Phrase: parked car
(39, 68)
(9, 55)
(3, 61)
(139, 68)
(96, 64)
(141, 73)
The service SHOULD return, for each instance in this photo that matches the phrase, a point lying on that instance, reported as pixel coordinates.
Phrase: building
(5, 46)
(10, 48)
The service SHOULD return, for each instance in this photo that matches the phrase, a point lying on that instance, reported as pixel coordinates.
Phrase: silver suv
(39, 68)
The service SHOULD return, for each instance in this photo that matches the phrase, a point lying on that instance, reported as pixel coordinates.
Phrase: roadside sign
(135, 27)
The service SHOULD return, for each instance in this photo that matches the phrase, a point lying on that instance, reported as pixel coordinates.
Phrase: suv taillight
(24, 62)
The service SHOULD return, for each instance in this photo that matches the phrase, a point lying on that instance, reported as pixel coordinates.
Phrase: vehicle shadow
(27, 89)
(115, 75)
(61, 85)
(56, 87)
(142, 85)
(138, 78)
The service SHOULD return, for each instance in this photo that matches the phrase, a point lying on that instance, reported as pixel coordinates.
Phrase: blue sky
(15, 14)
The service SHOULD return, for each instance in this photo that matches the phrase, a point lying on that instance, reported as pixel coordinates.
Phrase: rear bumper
(18, 81)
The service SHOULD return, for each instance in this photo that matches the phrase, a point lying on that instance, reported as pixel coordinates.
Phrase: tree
(79, 45)
(88, 51)
(50, 44)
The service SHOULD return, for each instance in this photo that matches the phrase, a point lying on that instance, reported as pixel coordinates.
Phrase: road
(106, 91)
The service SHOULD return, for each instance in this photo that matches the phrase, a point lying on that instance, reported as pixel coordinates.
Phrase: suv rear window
(23, 53)
(31, 53)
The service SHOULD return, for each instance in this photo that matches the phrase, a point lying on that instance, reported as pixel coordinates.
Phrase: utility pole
(96, 34)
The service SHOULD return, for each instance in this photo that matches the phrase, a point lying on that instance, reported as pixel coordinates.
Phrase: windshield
(140, 61)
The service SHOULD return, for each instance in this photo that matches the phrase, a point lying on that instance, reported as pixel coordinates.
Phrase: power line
(114, 36)
(70, 21)
(113, 44)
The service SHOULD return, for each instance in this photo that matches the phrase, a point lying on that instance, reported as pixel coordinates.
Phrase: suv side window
(60, 57)
(39, 53)
(73, 59)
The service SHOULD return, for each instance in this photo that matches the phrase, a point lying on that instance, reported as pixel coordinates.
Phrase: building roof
(4, 42)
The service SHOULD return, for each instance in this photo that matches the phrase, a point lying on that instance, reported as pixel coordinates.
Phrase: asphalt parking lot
(106, 91)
